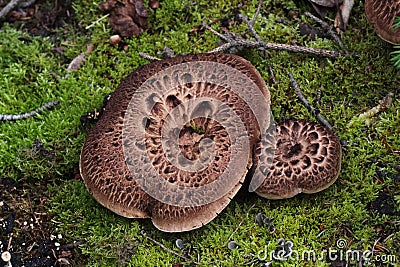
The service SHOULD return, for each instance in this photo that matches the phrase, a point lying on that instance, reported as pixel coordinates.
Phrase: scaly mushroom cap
(307, 159)
(103, 164)
(381, 13)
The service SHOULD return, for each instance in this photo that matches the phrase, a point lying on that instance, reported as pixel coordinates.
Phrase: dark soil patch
(28, 232)
(43, 17)
(384, 204)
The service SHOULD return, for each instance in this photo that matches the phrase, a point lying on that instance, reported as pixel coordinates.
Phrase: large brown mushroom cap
(103, 163)
(307, 156)
(307, 159)
(381, 13)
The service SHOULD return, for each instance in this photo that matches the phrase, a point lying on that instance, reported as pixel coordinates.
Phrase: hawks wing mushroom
(117, 176)
(382, 14)
(307, 159)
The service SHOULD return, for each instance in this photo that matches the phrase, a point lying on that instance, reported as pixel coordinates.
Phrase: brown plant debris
(5, 10)
(38, 18)
(236, 41)
(78, 61)
(127, 17)
(367, 115)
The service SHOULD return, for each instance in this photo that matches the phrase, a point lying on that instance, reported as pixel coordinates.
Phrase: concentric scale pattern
(307, 156)
(382, 13)
(307, 159)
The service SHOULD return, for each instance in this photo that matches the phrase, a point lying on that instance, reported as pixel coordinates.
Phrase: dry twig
(240, 42)
(234, 40)
(240, 223)
(13, 117)
(271, 74)
(14, 3)
(96, 22)
(327, 28)
(313, 110)
(364, 117)
(147, 56)
(27, 3)
(143, 233)
(251, 28)
(10, 6)
(272, 46)
(253, 20)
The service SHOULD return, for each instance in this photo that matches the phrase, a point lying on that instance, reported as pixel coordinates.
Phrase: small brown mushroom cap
(381, 13)
(307, 159)
(103, 164)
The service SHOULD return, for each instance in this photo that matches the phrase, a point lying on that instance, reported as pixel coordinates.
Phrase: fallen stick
(385, 102)
(14, 117)
(143, 233)
(10, 6)
(240, 42)
(147, 56)
(327, 28)
(313, 110)
(14, 3)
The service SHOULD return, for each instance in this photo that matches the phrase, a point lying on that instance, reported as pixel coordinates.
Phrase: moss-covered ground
(362, 207)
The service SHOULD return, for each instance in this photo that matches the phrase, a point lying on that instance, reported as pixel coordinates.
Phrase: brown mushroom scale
(382, 13)
(191, 135)
(307, 157)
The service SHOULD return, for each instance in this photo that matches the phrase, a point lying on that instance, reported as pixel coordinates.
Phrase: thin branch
(373, 247)
(253, 20)
(147, 56)
(272, 46)
(10, 6)
(388, 237)
(221, 36)
(271, 74)
(314, 111)
(383, 103)
(143, 233)
(234, 40)
(97, 21)
(6, 117)
(240, 223)
(250, 26)
(327, 28)
(13, 4)
(77, 62)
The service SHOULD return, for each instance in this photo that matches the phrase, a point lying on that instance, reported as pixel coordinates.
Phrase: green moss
(396, 53)
(31, 74)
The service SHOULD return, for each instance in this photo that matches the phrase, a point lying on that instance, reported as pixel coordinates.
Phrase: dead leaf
(127, 17)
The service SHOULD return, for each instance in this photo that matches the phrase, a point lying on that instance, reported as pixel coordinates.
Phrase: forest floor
(47, 216)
